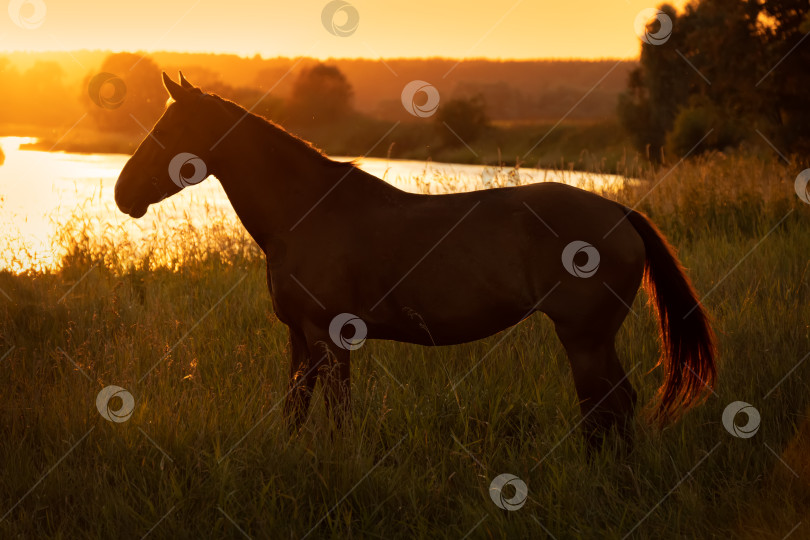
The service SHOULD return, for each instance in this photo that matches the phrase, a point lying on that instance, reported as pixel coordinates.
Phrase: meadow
(187, 327)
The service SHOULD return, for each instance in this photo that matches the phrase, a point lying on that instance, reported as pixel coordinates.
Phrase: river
(40, 191)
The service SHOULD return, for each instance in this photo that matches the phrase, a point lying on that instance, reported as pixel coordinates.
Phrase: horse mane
(278, 133)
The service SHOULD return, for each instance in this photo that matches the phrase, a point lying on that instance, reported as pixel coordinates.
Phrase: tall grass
(187, 327)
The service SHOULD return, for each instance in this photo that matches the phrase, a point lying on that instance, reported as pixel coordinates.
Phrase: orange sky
(387, 28)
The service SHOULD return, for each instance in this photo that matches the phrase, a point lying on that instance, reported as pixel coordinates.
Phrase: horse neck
(272, 182)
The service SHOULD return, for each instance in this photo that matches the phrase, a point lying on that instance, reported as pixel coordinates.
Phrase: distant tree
(253, 99)
(321, 95)
(729, 67)
(461, 119)
(703, 124)
(786, 85)
(36, 96)
(656, 90)
(504, 101)
(133, 109)
(11, 93)
(43, 95)
(274, 78)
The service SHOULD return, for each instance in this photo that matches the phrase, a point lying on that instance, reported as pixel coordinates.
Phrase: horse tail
(688, 342)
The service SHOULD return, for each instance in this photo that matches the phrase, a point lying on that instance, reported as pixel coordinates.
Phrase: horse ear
(185, 84)
(175, 90)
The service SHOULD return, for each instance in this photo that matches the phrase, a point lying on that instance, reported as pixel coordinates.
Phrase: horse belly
(464, 309)
(437, 332)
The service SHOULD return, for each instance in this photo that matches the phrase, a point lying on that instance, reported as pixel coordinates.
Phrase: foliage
(257, 101)
(462, 121)
(321, 94)
(729, 59)
(701, 123)
(37, 96)
(142, 102)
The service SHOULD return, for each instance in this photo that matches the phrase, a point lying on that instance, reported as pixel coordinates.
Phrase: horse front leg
(333, 372)
(302, 381)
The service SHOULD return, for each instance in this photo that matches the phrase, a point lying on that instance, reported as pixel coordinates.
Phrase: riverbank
(596, 146)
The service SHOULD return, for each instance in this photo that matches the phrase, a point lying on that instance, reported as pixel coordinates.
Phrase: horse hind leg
(606, 397)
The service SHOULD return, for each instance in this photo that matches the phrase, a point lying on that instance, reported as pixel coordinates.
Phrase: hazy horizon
(323, 58)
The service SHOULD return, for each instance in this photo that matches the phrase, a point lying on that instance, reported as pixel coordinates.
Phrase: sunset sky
(387, 28)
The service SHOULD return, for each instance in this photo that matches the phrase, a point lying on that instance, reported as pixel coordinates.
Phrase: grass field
(189, 331)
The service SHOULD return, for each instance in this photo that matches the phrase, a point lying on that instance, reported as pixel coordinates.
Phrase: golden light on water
(46, 196)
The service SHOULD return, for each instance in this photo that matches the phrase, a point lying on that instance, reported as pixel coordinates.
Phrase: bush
(466, 118)
(702, 123)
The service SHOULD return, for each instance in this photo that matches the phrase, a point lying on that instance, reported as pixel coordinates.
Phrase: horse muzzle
(128, 202)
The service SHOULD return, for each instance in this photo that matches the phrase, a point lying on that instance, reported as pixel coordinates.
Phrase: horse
(351, 257)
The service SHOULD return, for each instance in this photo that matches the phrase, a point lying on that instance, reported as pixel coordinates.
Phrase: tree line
(732, 72)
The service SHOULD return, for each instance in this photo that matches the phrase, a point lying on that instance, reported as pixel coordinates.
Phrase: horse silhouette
(346, 249)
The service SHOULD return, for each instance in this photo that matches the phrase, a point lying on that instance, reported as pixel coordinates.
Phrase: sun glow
(396, 28)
